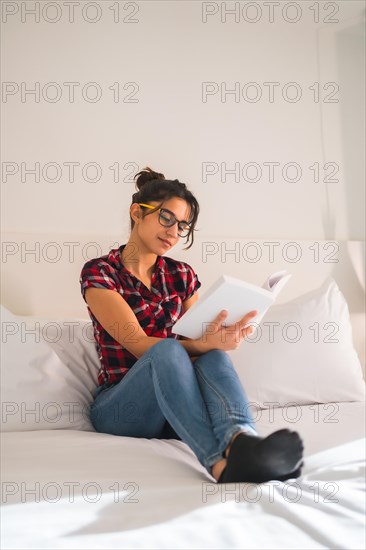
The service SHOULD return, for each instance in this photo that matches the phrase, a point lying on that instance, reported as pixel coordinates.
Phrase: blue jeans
(166, 395)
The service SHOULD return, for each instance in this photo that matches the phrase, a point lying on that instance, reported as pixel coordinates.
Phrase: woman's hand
(229, 337)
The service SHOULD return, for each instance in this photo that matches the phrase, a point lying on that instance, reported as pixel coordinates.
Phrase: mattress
(75, 488)
(89, 490)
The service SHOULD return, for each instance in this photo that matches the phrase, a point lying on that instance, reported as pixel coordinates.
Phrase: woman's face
(157, 238)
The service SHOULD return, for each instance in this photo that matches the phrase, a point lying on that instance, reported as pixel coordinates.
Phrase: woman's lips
(165, 241)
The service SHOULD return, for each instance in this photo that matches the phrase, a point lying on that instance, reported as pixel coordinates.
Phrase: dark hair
(152, 186)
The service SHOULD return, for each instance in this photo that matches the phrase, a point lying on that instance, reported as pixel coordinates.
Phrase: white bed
(66, 486)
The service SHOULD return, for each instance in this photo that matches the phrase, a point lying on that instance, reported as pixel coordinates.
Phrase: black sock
(291, 475)
(256, 459)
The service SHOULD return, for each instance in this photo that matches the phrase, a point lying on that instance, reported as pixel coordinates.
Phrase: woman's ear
(135, 212)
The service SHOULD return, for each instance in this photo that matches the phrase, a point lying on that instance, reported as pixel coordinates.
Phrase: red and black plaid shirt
(157, 310)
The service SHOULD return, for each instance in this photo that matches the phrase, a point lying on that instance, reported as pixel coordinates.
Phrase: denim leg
(161, 387)
(225, 399)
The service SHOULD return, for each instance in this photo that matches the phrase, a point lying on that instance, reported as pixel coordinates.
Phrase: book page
(277, 281)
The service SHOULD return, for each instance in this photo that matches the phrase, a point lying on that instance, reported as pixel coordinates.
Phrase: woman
(153, 384)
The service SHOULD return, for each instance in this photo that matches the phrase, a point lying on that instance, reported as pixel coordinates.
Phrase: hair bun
(147, 174)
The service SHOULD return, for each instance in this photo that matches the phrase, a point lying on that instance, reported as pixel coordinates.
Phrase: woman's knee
(218, 356)
(215, 360)
(169, 358)
(169, 348)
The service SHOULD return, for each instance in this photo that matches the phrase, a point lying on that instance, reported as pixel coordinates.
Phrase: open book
(234, 295)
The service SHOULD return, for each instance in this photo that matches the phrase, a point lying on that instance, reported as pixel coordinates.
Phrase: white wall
(169, 52)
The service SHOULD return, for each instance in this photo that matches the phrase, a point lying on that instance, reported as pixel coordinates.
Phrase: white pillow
(48, 373)
(302, 353)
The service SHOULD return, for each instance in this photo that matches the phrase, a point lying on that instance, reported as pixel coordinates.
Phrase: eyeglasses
(168, 219)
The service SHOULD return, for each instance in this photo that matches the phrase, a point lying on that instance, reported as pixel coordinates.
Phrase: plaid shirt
(157, 310)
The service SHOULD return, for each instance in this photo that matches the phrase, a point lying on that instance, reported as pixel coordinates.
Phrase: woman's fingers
(247, 331)
(220, 318)
(216, 324)
(232, 334)
(240, 325)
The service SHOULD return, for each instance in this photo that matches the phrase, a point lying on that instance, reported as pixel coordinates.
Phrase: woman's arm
(118, 319)
(186, 305)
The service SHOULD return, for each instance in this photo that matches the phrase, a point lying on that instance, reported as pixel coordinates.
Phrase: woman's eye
(166, 218)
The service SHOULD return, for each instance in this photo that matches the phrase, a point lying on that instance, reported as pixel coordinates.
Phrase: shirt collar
(114, 259)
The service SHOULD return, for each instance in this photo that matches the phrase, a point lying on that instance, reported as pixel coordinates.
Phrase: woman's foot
(218, 468)
(256, 459)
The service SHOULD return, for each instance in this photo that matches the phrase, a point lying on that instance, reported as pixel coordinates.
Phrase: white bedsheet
(102, 491)
(321, 426)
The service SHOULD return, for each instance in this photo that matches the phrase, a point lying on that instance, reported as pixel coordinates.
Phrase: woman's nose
(173, 231)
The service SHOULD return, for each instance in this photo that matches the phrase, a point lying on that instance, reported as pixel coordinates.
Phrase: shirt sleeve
(97, 275)
(193, 283)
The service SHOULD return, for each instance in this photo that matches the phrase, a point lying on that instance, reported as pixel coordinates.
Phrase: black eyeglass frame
(161, 212)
